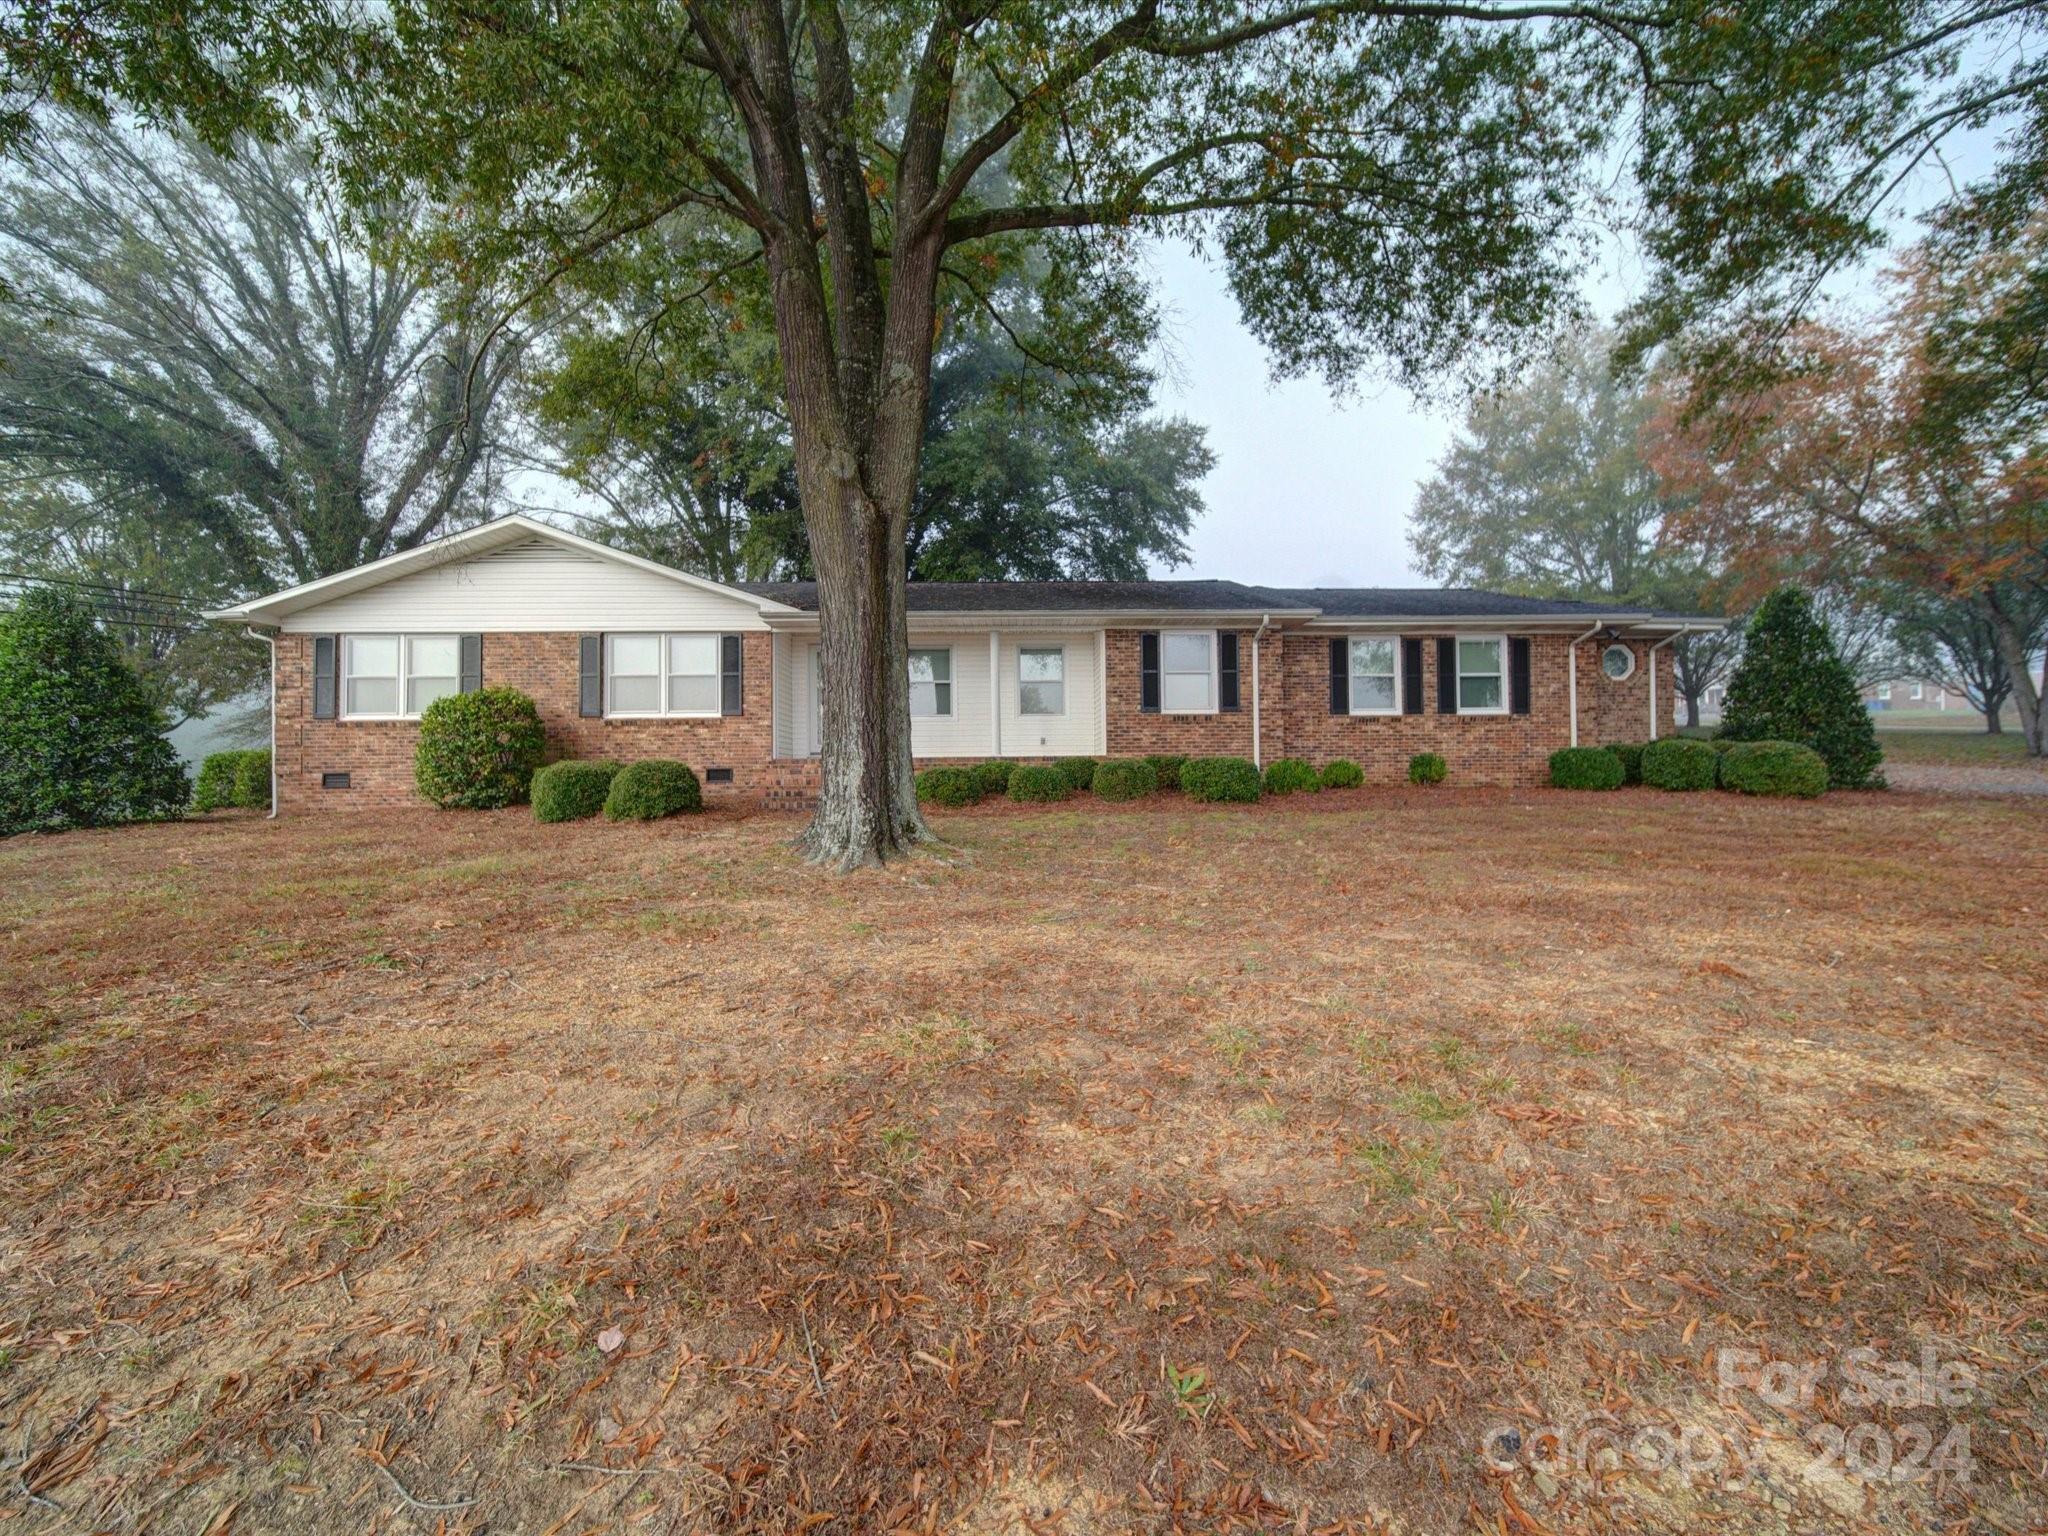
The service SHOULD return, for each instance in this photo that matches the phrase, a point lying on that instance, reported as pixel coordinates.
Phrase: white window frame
(1215, 671)
(1351, 677)
(1628, 650)
(1458, 643)
(1884, 693)
(661, 638)
(344, 672)
(951, 682)
(1918, 694)
(1046, 714)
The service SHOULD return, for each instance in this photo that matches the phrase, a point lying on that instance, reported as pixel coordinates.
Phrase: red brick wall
(378, 754)
(1135, 734)
(1295, 718)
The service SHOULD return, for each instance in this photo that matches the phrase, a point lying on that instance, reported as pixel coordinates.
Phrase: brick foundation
(377, 755)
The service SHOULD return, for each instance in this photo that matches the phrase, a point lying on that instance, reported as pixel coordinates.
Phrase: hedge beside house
(1285, 775)
(1774, 768)
(571, 790)
(1032, 785)
(1341, 773)
(1167, 766)
(949, 786)
(1678, 762)
(1428, 768)
(478, 750)
(1631, 755)
(1586, 768)
(651, 789)
(1079, 772)
(1125, 778)
(1232, 779)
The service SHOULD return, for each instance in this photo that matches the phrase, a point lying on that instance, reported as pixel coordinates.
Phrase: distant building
(1914, 696)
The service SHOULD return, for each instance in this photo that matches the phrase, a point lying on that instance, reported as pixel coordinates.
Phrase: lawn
(1117, 1170)
(1948, 747)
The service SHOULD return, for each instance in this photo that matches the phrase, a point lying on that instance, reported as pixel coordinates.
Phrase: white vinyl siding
(1482, 674)
(1187, 672)
(963, 733)
(1376, 675)
(533, 587)
(395, 677)
(1075, 733)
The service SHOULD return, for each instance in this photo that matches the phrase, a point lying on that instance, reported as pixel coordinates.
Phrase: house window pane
(1479, 656)
(693, 686)
(931, 682)
(1042, 681)
(1479, 693)
(1185, 680)
(371, 668)
(636, 695)
(633, 674)
(1375, 680)
(1185, 692)
(433, 670)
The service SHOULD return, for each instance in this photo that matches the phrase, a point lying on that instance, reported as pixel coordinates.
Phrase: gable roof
(468, 545)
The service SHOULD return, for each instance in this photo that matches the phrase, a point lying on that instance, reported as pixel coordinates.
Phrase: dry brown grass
(1114, 1171)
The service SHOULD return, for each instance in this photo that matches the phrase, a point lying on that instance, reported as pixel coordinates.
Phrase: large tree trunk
(1692, 710)
(2012, 649)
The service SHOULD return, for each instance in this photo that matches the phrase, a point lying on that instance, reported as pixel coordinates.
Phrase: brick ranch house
(627, 659)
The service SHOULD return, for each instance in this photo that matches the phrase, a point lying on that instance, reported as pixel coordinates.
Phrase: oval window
(1618, 662)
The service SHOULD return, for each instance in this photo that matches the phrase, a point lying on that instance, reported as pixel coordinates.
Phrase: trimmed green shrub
(1342, 773)
(1219, 778)
(1428, 768)
(994, 775)
(215, 786)
(949, 786)
(1079, 772)
(1586, 768)
(1631, 755)
(571, 790)
(1125, 778)
(1677, 762)
(1285, 775)
(478, 751)
(1167, 766)
(650, 790)
(251, 788)
(81, 743)
(1034, 785)
(1791, 685)
(1774, 768)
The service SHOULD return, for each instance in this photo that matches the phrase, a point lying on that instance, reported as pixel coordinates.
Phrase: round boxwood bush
(251, 788)
(1428, 768)
(994, 775)
(1677, 762)
(1219, 778)
(1079, 772)
(949, 786)
(1034, 785)
(1166, 766)
(1631, 755)
(650, 790)
(478, 751)
(1342, 773)
(1125, 778)
(1585, 768)
(215, 786)
(572, 790)
(1285, 775)
(1774, 768)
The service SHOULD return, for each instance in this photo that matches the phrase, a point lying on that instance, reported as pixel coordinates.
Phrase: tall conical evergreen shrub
(81, 745)
(1792, 686)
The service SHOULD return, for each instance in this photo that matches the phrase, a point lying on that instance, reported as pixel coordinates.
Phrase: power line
(194, 604)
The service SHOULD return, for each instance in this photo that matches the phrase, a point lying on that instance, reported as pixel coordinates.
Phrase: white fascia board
(467, 545)
(1067, 618)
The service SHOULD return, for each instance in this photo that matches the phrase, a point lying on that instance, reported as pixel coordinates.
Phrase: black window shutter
(1518, 675)
(1447, 676)
(1226, 670)
(590, 696)
(1340, 676)
(472, 663)
(1411, 676)
(729, 667)
(326, 683)
(1148, 672)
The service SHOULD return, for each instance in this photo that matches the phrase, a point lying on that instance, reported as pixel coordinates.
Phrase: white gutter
(270, 640)
(1265, 623)
(1572, 667)
(995, 693)
(1652, 659)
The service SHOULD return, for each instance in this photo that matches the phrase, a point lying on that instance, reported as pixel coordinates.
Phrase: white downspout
(1265, 621)
(1572, 667)
(1652, 659)
(271, 641)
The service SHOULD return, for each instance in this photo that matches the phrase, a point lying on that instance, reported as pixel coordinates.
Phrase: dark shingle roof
(1211, 596)
(1049, 596)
